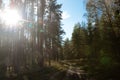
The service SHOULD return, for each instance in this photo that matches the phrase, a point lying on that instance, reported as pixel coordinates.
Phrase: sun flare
(10, 16)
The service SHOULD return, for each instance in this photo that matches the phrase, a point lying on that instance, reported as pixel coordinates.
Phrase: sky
(73, 11)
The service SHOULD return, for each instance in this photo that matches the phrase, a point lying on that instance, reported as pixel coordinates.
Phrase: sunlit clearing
(10, 17)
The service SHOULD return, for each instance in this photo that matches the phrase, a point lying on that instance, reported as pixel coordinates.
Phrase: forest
(32, 45)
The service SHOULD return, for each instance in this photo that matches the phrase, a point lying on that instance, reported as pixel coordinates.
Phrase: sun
(10, 17)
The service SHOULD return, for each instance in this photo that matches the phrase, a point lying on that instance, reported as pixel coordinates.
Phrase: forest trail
(74, 72)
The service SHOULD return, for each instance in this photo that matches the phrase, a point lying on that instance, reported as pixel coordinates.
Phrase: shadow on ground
(46, 73)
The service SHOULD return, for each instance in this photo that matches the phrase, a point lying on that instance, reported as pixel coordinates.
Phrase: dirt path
(75, 73)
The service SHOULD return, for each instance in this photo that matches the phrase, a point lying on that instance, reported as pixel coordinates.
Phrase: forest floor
(57, 71)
